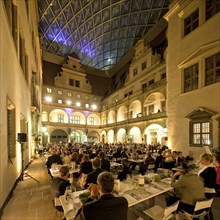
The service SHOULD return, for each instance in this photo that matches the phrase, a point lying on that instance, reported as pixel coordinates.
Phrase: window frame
(191, 77)
(213, 9)
(11, 130)
(215, 70)
(191, 21)
(135, 71)
(91, 121)
(60, 118)
(143, 65)
(59, 92)
(200, 121)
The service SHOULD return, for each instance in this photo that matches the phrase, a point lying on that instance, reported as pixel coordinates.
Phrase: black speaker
(22, 137)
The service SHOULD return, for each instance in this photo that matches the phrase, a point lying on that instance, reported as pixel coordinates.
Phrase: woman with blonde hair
(208, 174)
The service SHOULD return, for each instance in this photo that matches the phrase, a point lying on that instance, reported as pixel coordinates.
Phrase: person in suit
(92, 177)
(53, 159)
(108, 206)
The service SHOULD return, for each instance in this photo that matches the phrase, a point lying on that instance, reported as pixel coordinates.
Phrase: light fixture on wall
(44, 128)
(48, 99)
(78, 104)
(68, 102)
(94, 106)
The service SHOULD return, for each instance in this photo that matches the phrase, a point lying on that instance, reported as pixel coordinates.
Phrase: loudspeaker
(22, 137)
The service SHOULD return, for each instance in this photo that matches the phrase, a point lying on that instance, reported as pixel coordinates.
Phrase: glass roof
(100, 32)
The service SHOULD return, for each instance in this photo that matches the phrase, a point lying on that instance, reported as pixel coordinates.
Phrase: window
(91, 120)
(77, 120)
(11, 130)
(191, 78)
(60, 118)
(135, 72)
(151, 82)
(95, 99)
(212, 69)
(60, 92)
(191, 22)
(201, 133)
(14, 25)
(78, 96)
(74, 119)
(60, 101)
(77, 83)
(144, 86)
(212, 8)
(143, 65)
(69, 94)
(71, 82)
(87, 97)
(71, 119)
(49, 90)
(163, 76)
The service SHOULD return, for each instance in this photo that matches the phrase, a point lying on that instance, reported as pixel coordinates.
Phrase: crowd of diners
(195, 179)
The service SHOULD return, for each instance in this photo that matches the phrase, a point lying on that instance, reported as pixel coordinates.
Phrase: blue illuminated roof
(100, 32)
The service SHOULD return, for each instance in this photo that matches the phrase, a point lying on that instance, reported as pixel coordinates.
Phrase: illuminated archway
(135, 135)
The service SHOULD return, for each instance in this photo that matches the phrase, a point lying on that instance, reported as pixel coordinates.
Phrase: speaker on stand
(22, 138)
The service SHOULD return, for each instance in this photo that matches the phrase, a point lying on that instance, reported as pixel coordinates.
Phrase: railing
(115, 124)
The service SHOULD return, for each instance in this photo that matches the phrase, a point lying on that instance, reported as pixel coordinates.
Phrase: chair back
(170, 209)
(204, 204)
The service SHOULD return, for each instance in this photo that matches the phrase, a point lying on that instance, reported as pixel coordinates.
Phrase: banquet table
(130, 189)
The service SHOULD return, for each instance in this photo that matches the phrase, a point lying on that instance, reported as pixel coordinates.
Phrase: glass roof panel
(103, 28)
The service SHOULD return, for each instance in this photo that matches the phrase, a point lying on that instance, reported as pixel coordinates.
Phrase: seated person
(134, 156)
(186, 190)
(168, 162)
(84, 170)
(85, 165)
(53, 159)
(122, 174)
(148, 160)
(59, 184)
(158, 160)
(108, 206)
(105, 163)
(92, 177)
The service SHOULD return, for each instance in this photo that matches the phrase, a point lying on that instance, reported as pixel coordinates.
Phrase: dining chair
(201, 209)
(157, 212)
